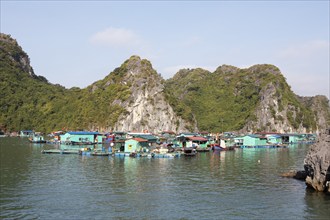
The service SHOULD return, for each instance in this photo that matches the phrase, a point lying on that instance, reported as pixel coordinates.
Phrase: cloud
(116, 37)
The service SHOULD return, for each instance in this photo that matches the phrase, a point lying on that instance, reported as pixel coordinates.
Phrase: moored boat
(216, 147)
(37, 138)
(189, 151)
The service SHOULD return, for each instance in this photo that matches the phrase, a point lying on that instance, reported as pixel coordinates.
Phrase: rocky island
(317, 164)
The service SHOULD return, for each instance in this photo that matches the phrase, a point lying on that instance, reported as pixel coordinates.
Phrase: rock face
(270, 115)
(274, 115)
(320, 105)
(147, 109)
(16, 54)
(317, 164)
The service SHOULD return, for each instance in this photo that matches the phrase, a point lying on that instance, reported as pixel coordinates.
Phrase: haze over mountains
(135, 97)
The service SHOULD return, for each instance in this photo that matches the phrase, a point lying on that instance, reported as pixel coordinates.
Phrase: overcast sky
(76, 43)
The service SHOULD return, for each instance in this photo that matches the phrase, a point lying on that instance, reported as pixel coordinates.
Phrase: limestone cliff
(317, 164)
(320, 106)
(280, 110)
(16, 56)
(146, 108)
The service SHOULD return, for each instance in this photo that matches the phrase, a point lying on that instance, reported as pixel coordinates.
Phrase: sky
(75, 43)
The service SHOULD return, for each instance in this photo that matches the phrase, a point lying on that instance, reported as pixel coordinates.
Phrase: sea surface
(240, 184)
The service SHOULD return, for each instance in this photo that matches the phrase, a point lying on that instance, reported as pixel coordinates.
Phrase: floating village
(167, 144)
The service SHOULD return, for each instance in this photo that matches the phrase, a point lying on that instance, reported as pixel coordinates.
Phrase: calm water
(229, 185)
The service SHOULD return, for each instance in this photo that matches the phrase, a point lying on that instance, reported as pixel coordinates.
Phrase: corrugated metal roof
(83, 133)
(139, 139)
(197, 138)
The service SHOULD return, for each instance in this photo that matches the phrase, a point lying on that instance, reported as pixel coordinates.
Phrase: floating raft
(167, 155)
(96, 153)
(149, 155)
(265, 146)
(58, 151)
(121, 154)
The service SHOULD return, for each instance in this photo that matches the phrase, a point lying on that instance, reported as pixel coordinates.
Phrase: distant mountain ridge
(135, 97)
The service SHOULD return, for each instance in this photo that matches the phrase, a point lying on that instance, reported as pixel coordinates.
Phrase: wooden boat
(100, 153)
(225, 144)
(216, 147)
(164, 155)
(189, 151)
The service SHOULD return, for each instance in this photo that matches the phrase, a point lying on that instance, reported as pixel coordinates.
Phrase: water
(229, 185)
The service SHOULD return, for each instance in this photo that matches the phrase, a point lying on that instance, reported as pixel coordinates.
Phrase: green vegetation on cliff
(28, 101)
(224, 100)
(228, 98)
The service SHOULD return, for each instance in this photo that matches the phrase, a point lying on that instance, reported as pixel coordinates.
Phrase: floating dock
(58, 151)
(265, 146)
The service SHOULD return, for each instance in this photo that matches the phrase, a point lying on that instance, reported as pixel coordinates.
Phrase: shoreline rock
(317, 164)
(299, 175)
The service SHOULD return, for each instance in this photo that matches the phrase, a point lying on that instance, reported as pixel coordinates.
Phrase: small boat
(164, 155)
(37, 138)
(225, 144)
(189, 151)
(100, 153)
(217, 147)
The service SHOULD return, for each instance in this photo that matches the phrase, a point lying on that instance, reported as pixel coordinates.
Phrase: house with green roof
(251, 140)
(81, 137)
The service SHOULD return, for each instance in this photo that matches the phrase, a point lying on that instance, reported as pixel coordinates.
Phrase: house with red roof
(196, 141)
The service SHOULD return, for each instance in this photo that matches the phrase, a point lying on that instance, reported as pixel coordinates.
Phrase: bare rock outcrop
(317, 164)
(147, 108)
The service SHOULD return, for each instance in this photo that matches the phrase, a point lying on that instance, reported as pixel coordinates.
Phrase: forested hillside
(135, 97)
(253, 99)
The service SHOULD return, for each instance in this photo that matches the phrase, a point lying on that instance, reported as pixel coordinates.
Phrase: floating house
(151, 139)
(198, 142)
(292, 138)
(251, 140)
(81, 137)
(191, 140)
(118, 141)
(274, 139)
(136, 145)
(26, 133)
(37, 138)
